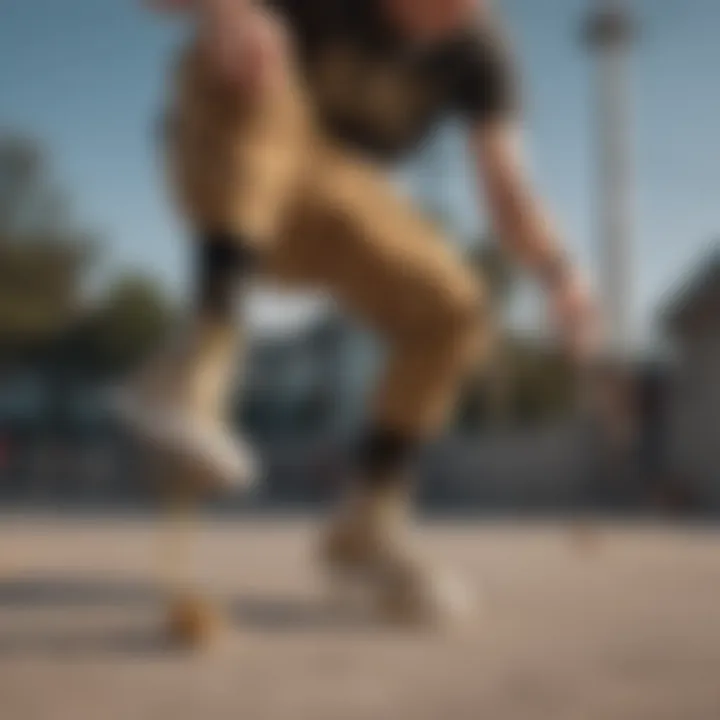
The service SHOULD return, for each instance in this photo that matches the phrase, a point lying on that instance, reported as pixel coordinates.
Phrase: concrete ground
(622, 625)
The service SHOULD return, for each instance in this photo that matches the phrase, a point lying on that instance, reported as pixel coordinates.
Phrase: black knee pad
(383, 454)
(224, 260)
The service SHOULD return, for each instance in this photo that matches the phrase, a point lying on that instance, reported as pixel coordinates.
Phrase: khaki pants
(329, 220)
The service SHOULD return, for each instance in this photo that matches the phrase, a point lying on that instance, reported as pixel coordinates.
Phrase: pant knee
(461, 321)
(447, 329)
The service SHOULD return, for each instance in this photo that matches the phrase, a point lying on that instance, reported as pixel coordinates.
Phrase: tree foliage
(44, 260)
(121, 329)
(42, 254)
(521, 381)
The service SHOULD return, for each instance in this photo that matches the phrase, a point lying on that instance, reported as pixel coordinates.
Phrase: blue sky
(86, 77)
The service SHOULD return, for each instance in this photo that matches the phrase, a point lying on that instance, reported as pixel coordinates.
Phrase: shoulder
(485, 76)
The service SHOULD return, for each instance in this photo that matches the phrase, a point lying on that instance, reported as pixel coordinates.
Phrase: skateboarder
(284, 116)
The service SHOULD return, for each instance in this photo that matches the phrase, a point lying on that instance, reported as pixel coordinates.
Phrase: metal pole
(609, 33)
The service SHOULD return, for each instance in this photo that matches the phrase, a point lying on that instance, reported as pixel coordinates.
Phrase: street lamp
(609, 32)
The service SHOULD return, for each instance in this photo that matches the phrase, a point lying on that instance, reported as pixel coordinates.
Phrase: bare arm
(524, 225)
(520, 219)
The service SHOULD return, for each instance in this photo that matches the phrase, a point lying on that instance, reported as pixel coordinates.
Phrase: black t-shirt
(377, 92)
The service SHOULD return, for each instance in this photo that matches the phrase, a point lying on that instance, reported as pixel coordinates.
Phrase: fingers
(264, 52)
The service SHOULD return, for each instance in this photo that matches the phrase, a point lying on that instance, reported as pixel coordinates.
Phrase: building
(308, 384)
(692, 321)
(61, 443)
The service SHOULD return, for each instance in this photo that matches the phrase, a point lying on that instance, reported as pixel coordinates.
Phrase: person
(284, 118)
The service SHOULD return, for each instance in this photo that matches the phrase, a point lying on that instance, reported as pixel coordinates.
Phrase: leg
(234, 161)
(376, 255)
(352, 234)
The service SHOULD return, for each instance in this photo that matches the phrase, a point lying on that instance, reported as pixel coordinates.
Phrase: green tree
(520, 382)
(124, 326)
(495, 269)
(486, 396)
(43, 255)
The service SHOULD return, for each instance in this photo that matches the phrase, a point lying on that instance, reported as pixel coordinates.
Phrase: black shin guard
(224, 261)
(383, 456)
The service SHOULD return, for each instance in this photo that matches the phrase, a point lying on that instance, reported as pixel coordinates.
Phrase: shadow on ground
(39, 598)
(79, 642)
(51, 591)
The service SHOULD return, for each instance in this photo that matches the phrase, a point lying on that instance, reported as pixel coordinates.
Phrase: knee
(461, 307)
(461, 322)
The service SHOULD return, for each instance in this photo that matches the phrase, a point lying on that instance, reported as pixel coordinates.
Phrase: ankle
(379, 507)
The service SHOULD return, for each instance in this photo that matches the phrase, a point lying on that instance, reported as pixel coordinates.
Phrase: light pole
(609, 32)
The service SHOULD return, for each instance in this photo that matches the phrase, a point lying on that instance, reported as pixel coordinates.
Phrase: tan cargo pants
(328, 219)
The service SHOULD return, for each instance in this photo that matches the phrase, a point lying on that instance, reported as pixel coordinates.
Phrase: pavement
(608, 623)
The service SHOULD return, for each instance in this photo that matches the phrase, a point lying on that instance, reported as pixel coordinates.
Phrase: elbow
(509, 217)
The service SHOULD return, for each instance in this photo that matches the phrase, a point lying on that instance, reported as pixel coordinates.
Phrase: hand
(262, 49)
(247, 45)
(575, 317)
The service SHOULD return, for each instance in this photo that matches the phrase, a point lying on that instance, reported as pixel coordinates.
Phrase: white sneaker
(225, 461)
(416, 595)
(369, 565)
